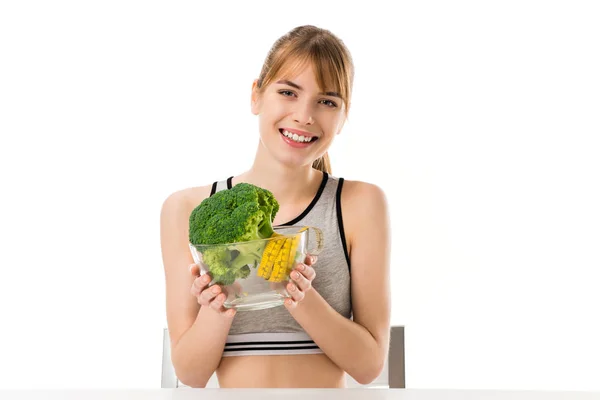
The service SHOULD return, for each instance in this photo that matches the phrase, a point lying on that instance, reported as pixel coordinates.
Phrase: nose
(303, 114)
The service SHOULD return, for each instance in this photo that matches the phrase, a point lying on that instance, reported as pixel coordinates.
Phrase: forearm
(349, 345)
(198, 352)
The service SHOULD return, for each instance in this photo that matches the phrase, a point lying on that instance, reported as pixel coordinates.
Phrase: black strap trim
(214, 189)
(266, 342)
(338, 207)
(229, 182)
(312, 203)
(273, 348)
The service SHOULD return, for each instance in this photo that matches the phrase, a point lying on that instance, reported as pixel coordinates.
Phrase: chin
(293, 162)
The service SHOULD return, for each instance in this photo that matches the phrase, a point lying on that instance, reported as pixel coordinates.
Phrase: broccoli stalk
(241, 214)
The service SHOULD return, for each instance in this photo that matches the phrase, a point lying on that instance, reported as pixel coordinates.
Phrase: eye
(285, 91)
(333, 105)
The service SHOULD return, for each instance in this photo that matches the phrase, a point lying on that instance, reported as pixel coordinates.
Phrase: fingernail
(291, 288)
(301, 267)
(215, 289)
(295, 275)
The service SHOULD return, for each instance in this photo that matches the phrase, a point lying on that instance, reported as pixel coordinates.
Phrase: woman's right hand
(211, 297)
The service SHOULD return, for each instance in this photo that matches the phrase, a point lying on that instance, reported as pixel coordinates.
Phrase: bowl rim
(297, 227)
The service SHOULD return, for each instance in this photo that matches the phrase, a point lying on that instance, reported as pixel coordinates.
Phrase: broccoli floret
(240, 214)
(230, 263)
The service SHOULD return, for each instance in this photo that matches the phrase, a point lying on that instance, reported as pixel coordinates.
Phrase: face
(296, 108)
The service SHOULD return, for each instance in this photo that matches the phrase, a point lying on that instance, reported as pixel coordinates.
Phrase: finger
(294, 291)
(301, 267)
(200, 284)
(208, 294)
(306, 271)
(217, 303)
(290, 304)
(202, 281)
(194, 269)
(229, 313)
(310, 259)
(300, 280)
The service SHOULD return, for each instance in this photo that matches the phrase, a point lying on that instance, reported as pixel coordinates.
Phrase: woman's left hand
(301, 281)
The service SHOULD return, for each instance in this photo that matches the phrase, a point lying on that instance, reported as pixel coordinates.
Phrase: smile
(297, 138)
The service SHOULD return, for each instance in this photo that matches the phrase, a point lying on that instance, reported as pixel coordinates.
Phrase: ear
(255, 99)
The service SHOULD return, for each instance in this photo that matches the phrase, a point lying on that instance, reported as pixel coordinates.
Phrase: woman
(341, 305)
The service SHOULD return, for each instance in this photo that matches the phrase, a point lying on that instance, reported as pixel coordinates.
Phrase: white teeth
(296, 138)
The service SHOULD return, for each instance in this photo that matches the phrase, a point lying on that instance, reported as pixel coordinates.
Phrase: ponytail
(323, 164)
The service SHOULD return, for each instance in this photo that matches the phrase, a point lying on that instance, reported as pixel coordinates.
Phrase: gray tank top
(274, 330)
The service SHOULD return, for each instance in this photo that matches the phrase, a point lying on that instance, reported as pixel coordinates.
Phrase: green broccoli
(230, 263)
(243, 213)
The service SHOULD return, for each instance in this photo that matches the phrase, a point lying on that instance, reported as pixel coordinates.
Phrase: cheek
(273, 114)
(338, 122)
(270, 110)
(277, 109)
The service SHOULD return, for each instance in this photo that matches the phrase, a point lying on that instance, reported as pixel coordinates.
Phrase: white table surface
(305, 394)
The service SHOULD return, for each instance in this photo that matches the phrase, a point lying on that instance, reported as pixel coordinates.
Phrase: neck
(288, 184)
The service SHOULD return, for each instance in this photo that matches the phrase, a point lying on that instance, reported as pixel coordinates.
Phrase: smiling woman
(337, 320)
(313, 107)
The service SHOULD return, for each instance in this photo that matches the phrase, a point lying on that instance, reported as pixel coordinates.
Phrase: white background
(480, 120)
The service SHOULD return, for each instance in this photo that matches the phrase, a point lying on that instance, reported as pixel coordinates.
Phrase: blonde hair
(332, 63)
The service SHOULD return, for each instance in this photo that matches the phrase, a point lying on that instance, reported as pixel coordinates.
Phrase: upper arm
(367, 226)
(182, 308)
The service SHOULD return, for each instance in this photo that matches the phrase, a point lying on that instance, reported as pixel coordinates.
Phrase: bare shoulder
(182, 307)
(187, 197)
(174, 221)
(355, 192)
(362, 203)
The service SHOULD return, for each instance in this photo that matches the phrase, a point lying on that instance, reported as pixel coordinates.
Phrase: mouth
(298, 138)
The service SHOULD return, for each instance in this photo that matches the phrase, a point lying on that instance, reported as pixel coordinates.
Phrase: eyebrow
(292, 84)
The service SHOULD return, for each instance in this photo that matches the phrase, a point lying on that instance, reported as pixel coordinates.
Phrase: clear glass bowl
(251, 276)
